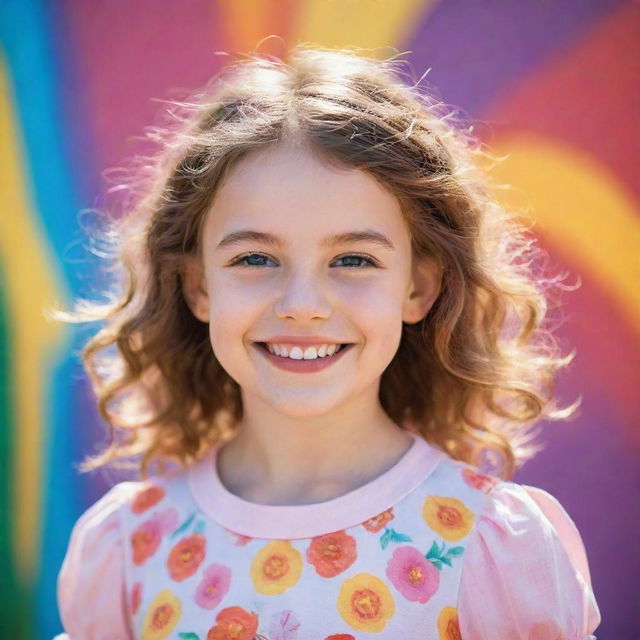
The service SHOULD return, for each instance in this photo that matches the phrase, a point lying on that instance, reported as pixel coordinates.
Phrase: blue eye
(241, 260)
(368, 261)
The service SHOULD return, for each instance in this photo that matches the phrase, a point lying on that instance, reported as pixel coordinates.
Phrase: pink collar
(286, 522)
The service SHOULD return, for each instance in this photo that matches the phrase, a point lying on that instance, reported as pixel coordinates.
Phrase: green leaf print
(391, 535)
(189, 636)
(438, 557)
(399, 537)
(184, 526)
(199, 527)
(384, 539)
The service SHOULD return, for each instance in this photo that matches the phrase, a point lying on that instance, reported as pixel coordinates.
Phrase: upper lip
(303, 340)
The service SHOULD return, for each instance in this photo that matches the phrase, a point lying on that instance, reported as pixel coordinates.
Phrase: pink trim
(287, 522)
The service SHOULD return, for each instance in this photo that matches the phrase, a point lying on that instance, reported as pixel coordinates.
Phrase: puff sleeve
(91, 587)
(525, 575)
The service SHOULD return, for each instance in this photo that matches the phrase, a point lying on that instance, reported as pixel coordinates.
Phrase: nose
(302, 297)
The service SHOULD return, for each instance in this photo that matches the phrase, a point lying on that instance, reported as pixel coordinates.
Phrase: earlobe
(194, 288)
(425, 289)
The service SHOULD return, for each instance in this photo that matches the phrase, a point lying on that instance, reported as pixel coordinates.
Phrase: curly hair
(472, 377)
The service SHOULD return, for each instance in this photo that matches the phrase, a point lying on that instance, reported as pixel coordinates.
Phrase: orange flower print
(162, 616)
(412, 574)
(478, 480)
(332, 553)
(214, 586)
(234, 623)
(276, 568)
(365, 603)
(146, 539)
(147, 498)
(376, 523)
(448, 517)
(448, 628)
(136, 597)
(186, 556)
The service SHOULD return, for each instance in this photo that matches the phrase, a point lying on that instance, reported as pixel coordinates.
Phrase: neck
(280, 461)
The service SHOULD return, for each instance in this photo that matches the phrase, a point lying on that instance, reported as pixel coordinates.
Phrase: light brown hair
(473, 376)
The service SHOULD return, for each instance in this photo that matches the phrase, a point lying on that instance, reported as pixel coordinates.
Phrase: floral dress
(429, 550)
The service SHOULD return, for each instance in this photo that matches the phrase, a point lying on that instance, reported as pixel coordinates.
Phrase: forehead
(297, 195)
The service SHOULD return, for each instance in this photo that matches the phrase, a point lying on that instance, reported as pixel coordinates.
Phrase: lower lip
(302, 366)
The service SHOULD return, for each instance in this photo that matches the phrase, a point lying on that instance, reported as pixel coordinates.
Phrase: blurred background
(552, 85)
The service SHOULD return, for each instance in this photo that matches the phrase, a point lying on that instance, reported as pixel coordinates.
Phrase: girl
(327, 325)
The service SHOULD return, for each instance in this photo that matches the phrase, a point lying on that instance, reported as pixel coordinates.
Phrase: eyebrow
(364, 235)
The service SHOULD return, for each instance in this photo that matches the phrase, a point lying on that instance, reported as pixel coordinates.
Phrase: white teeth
(310, 353)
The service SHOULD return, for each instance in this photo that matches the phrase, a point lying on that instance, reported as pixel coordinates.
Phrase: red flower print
(412, 574)
(136, 597)
(478, 480)
(238, 539)
(340, 636)
(146, 539)
(332, 553)
(214, 586)
(234, 623)
(376, 523)
(147, 498)
(186, 556)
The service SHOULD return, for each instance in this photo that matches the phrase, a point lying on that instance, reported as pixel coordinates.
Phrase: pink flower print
(412, 574)
(213, 586)
(146, 539)
(168, 520)
(284, 626)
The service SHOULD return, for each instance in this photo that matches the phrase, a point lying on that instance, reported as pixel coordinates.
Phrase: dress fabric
(429, 550)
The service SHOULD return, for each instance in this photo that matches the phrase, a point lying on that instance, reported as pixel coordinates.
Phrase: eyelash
(371, 262)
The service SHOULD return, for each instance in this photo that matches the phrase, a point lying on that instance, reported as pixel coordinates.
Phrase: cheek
(377, 315)
(376, 306)
(230, 319)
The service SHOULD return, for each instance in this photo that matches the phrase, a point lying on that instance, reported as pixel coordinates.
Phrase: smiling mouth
(340, 348)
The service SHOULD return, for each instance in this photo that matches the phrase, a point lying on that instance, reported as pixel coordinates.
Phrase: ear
(426, 283)
(194, 287)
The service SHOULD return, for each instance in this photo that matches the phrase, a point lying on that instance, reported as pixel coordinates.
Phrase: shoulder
(92, 572)
(102, 541)
(527, 553)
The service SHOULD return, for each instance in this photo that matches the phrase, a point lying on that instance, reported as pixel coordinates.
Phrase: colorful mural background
(553, 85)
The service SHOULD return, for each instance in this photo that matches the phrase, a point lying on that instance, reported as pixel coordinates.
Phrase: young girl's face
(299, 276)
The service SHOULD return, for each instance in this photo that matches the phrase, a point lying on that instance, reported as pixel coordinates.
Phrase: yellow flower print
(162, 616)
(448, 517)
(365, 603)
(276, 567)
(448, 628)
